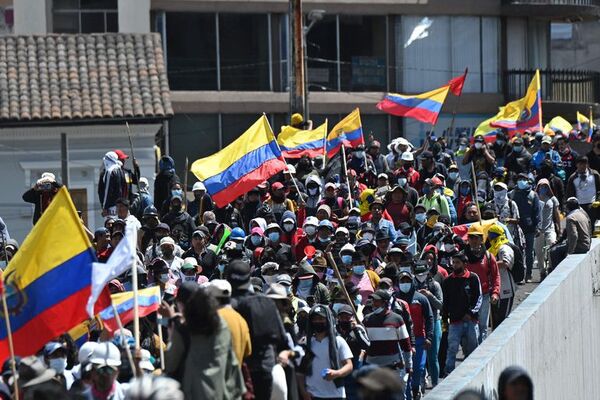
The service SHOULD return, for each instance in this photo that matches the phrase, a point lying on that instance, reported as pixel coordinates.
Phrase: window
(193, 136)
(85, 16)
(322, 59)
(431, 50)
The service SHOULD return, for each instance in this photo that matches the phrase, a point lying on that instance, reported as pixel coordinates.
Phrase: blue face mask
(305, 284)
(465, 190)
(453, 175)
(421, 217)
(255, 240)
(221, 267)
(274, 237)
(405, 287)
(517, 149)
(522, 184)
(358, 300)
(176, 192)
(544, 191)
(347, 260)
(324, 240)
(358, 269)
(337, 306)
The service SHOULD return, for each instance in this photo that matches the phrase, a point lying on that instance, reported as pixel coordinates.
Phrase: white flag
(122, 259)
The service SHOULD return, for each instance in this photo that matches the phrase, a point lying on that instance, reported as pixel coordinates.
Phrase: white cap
(382, 175)
(403, 142)
(145, 363)
(218, 288)
(408, 156)
(86, 351)
(348, 247)
(291, 169)
(106, 354)
(198, 186)
(311, 221)
(167, 240)
(342, 229)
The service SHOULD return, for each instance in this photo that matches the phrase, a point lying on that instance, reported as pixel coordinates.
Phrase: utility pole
(64, 159)
(298, 75)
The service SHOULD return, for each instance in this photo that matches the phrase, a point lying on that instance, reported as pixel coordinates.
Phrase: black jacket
(462, 296)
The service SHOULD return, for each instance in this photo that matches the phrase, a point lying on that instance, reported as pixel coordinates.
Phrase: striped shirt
(388, 335)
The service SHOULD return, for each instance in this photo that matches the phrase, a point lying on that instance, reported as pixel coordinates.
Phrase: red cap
(277, 186)
(121, 155)
(437, 181)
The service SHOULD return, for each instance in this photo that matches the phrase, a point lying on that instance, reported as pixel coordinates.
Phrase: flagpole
(474, 177)
(285, 162)
(134, 284)
(160, 337)
(133, 366)
(11, 348)
(591, 124)
(185, 185)
(537, 72)
(346, 175)
(325, 146)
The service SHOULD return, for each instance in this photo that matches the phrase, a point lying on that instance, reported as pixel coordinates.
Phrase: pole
(161, 350)
(185, 184)
(132, 155)
(134, 367)
(346, 175)
(342, 286)
(64, 159)
(325, 146)
(11, 348)
(297, 81)
(474, 177)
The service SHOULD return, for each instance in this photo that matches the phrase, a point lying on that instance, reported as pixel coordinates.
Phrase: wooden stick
(342, 286)
(346, 174)
(325, 147)
(134, 367)
(474, 177)
(137, 184)
(161, 350)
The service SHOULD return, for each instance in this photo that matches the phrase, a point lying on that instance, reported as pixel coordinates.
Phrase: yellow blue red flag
(295, 143)
(522, 114)
(48, 281)
(348, 132)
(148, 302)
(559, 124)
(424, 107)
(249, 160)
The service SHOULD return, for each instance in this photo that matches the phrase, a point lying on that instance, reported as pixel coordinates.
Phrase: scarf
(497, 242)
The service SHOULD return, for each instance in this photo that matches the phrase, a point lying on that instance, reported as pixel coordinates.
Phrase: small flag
(148, 302)
(456, 84)
(348, 132)
(295, 143)
(424, 107)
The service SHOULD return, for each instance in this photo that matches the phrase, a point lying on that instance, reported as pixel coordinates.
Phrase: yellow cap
(297, 119)
(475, 229)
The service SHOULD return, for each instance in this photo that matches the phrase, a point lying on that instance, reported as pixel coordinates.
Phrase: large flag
(456, 84)
(582, 119)
(120, 261)
(148, 302)
(295, 143)
(251, 159)
(486, 130)
(424, 107)
(524, 113)
(559, 124)
(49, 280)
(348, 132)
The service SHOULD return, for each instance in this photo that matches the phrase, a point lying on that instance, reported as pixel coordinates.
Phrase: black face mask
(319, 327)
(345, 325)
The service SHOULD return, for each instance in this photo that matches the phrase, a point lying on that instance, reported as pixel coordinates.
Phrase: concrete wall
(134, 16)
(31, 16)
(553, 334)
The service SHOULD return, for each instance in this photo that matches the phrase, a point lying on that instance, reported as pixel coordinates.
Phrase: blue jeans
(529, 253)
(419, 360)
(432, 354)
(467, 330)
(484, 316)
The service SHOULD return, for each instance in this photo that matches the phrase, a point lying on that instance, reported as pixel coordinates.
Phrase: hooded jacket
(163, 182)
(112, 185)
(318, 290)
(509, 375)
(312, 202)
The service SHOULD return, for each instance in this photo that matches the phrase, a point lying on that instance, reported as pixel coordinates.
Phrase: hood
(289, 214)
(111, 161)
(261, 222)
(510, 374)
(544, 181)
(304, 268)
(313, 178)
(166, 163)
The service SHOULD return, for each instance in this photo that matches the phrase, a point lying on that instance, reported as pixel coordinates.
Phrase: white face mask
(164, 278)
(478, 145)
(313, 191)
(405, 287)
(310, 230)
(422, 277)
(368, 236)
(58, 364)
(402, 182)
(288, 227)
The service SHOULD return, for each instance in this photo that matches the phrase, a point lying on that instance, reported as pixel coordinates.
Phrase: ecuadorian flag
(251, 159)
(48, 282)
(524, 113)
(424, 107)
(348, 132)
(295, 143)
(148, 302)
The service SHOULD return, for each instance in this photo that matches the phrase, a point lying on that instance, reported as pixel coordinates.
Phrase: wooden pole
(134, 366)
(342, 286)
(346, 175)
(185, 185)
(325, 147)
(474, 177)
(64, 159)
(137, 184)
(11, 348)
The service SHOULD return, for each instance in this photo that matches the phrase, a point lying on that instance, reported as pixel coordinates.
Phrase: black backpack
(518, 269)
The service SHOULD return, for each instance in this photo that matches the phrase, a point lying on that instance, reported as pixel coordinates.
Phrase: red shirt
(488, 273)
(399, 213)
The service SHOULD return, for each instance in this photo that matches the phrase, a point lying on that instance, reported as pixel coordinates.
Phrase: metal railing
(569, 86)
(553, 2)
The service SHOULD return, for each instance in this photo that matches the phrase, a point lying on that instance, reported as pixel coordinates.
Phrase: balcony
(553, 9)
(563, 91)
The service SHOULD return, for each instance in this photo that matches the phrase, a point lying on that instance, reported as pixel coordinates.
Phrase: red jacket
(488, 273)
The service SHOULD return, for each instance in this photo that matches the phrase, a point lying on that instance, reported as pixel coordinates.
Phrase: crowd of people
(360, 279)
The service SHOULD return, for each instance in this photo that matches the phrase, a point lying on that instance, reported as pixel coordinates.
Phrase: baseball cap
(121, 155)
(380, 295)
(51, 347)
(382, 176)
(501, 184)
(238, 272)
(427, 154)
(145, 362)
(345, 309)
(106, 354)
(167, 240)
(327, 224)
(189, 263)
(284, 279)
(329, 185)
(408, 156)
(219, 288)
(547, 139)
(277, 186)
(319, 310)
(199, 233)
(257, 230)
(342, 229)
(277, 291)
(311, 221)
(164, 226)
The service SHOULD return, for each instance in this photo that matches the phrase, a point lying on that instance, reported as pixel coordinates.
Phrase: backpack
(518, 268)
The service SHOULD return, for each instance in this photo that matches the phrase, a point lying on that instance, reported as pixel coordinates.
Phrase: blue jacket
(540, 155)
(530, 209)
(385, 224)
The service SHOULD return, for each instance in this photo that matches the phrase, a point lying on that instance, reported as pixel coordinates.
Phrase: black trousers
(501, 310)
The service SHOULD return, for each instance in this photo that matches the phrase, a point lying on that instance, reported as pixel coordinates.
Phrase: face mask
(421, 277)
(189, 278)
(500, 142)
(517, 149)
(221, 267)
(500, 195)
(177, 192)
(379, 310)
(421, 217)
(522, 184)
(426, 190)
(58, 364)
(462, 147)
(313, 191)
(464, 190)
(320, 275)
(358, 269)
(347, 260)
(353, 219)
(310, 230)
(368, 236)
(405, 287)
(359, 154)
(337, 306)
(305, 284)
(324, 239)
(270, 279)
(478, 145)
(407, 166)
(453, 175)
(288, 227)
(319, 327)
(358, 300)
(345, 325)
(255, 240)
(402, 181)
(274, 237)
(164, 278)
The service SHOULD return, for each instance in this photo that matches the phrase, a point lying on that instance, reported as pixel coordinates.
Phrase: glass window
(85, 16)
(112, 22)
(244, 63)
(363, 53)
(99, 4)
(92, 22)
(67, 22)
(431, 50)
(191, 51)
(321, 48)
(193, 136)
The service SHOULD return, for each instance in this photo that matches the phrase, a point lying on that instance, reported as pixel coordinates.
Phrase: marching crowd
(359, 278)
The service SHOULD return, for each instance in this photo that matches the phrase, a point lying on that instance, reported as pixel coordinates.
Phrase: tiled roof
(85, 76)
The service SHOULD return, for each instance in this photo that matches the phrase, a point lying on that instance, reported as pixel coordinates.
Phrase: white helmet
(198, 186)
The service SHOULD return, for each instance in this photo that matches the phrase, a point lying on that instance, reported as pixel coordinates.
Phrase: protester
(41, 194)
(515, 383)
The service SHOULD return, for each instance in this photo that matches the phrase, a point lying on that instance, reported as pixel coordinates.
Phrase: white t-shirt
(585, 189)
(315, 384)
(507, 284)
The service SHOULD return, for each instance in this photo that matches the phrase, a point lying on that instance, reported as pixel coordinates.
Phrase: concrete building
(227, 60)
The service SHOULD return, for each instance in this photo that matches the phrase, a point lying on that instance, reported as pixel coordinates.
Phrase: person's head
(374, 148)
(397, 194)
(325, 231)
(382, 180)
(101, 237)
(405, 281)
(342, 235)
(199, 239)
(176, 203)
(459, 260)
(471, 212)
(427, 159)
(105, 361)
(523, 182)
(310, 226)
(475, 238)
(323, 212)
(546, 143)
(382, 240)
(479, 143)
(379, 384)
(150, 217)
(167, 246)
(420, 214)
(318, 319)
(561, 144)
(273, 233)
(278, 192)
(199, 190)
(582, 164)
(122, 208)
(55, 356)
(162, 230)
(345, 317)
(329, 190)
(515, 383)
(376, 208)
(572, 204)
(201, 313)
(115, 238)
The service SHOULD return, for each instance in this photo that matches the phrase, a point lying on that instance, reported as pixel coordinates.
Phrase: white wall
(27, 152)
(134, 16)
(553, 334)
(31, 16)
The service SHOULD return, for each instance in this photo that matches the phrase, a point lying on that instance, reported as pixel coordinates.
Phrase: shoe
(528, 280)
(521, 282)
